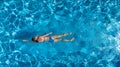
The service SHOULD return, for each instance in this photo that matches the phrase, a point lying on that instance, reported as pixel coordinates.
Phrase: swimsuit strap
(37, 39)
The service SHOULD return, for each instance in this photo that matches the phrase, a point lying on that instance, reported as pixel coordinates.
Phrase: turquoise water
(95, 25)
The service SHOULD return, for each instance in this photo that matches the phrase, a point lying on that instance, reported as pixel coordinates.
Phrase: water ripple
(95, 24)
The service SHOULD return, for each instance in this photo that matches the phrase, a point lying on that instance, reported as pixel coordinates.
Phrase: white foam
(5, 9)
(7, 62)
(7, 4)
(13, 33)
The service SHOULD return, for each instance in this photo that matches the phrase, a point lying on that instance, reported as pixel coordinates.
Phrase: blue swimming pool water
(95, 25)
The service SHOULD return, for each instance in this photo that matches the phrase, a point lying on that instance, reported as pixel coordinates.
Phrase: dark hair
(33, 39)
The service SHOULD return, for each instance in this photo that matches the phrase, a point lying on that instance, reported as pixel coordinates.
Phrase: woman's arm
(26, 40)
(48, 34)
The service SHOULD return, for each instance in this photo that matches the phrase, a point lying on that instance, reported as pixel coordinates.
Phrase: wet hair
(33, 39)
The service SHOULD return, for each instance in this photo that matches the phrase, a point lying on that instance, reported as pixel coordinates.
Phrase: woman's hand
(50, 32)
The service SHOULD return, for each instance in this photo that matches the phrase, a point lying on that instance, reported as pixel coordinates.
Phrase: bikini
(37, 39)
(50, 39)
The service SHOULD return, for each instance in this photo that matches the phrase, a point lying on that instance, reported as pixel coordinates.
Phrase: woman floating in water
(54, 38)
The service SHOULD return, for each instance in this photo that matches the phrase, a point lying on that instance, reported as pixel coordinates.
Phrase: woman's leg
(64, 40)
(70, 40)
(61, 35)
(57, 40)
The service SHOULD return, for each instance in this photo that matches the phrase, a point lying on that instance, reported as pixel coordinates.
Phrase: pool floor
(95, 25)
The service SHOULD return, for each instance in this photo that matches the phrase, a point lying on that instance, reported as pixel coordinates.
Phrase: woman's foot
(67, 34)
(66, 40)
(72, 39)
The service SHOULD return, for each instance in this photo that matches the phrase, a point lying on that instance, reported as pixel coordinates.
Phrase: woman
(54, 38)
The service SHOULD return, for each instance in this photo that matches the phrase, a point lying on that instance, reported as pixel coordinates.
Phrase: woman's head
(34, 39)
